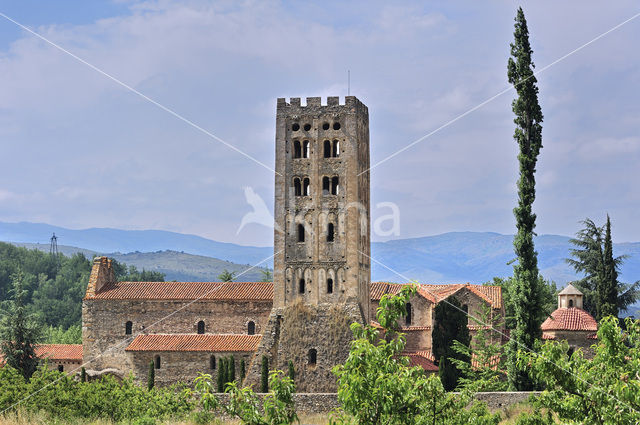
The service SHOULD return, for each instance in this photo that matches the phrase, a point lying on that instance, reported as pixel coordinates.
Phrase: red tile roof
(547, 336)
(403, 328)
(194, 342)
(237, 291)
(417, 359)
(61, 352)
(570, 319)
(57, 352)
(263, 291)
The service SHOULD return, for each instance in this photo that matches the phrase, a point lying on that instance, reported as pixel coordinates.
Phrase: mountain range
(474, 257)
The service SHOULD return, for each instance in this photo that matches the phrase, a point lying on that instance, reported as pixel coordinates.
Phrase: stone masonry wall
(103, 324)
(182, 366)
(296, 330)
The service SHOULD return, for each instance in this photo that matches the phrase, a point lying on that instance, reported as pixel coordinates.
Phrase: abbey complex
(321, 280)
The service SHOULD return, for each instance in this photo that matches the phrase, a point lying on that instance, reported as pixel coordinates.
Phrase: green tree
(603, 390)
(264, 381)
(528, 135)
(267, 275)
(377, 386)
(220, 378)
(151, 376)
(83, 374)
(243, 371)
(593, 258)
(19, 332)
(232, 369)
(226, 276)
(484, 373)
(549, 297)
(450, 325)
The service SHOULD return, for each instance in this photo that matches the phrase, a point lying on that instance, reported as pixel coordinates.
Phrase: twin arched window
(330, 185)
(331, 150)
(301, 150)
(301, 187)
(329, 286)
(300, 232)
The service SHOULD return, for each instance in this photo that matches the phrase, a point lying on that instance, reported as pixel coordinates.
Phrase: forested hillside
(55, 286)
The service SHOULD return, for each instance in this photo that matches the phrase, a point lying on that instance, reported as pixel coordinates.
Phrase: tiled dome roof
(570, 319)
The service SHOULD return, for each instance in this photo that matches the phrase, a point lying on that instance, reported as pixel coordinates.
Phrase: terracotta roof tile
(241, 291)
(194, 342)
(570, 319)
(69, 352)
(403, 328)
(547, 336)
(417, 358)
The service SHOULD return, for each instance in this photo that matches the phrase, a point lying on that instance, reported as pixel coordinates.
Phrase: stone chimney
(101, 275)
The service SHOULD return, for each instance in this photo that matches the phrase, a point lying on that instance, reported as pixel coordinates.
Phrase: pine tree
(83, 374)
(20, 332)
(242, 371)
(528, 135)
(151, 378)
(450, 324)
(608, 290)
(220, 377)
(264, 381)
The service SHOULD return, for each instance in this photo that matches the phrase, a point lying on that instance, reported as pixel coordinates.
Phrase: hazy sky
(78, 150)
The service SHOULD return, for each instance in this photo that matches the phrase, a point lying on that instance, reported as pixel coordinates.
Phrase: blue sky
(77, 150)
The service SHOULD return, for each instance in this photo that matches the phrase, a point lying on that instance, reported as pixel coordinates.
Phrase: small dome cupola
(570, 297)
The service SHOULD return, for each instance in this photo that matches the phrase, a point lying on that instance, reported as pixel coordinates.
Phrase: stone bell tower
(322, 267)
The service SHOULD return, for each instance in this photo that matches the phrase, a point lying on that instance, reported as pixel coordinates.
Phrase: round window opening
(336, 126)
(325, 126)
(307, 127)
(295, 127)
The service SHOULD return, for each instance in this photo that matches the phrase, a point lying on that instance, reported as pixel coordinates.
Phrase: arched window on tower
(305, 187)
(157, 362)
(326, 185)
(336, 149)
(128, 328)
(251, 328)
(297, 149)
(305, 149)
(312, 357)
(300, 232)
(408, 317)
(329, 286)
(301, 285)
(335, 185)
(297, 187)
(327, 149)
(330, 232)
(201, 327)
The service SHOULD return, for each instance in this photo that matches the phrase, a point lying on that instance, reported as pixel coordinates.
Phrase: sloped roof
(237, 291)
(570, 290)
(437, 293)
(194, 342)
(417, 358)
(570, 319)
(57, 352)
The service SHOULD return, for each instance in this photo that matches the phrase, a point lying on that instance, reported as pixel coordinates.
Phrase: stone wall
(182, 366)
(103, 324)
(295, 331)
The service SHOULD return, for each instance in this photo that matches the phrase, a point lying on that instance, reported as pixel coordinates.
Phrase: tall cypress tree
(528, 135)
(264, 375)
(450, 324)
(220, 379)
(608, 290)
(232, 369)
(151, 377)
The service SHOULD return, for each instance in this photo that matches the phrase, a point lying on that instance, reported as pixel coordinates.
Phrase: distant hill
(450, 257)
(175, 265)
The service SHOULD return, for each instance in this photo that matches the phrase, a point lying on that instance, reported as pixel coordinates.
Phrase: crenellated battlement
(314, 104)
